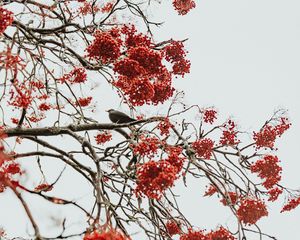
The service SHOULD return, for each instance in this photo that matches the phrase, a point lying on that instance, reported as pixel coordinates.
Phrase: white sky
(245, 61)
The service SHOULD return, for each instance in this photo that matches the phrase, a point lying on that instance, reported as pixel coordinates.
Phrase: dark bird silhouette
(119, 117)
(5, 1)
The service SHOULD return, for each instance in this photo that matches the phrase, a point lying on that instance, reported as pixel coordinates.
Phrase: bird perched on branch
(119, 117)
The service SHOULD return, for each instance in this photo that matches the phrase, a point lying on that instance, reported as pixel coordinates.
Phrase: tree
(54, 54)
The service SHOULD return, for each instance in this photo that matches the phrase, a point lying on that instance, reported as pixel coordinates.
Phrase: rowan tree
(53, 56)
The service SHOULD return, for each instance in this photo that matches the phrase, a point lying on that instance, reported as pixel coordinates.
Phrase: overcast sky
(246, 62)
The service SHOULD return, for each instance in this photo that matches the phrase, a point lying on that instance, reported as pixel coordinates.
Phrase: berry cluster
(173, 227)
(109, 234)
(229, 135)
(251, 210)
(21, 96)
(220, 234)
(138, 63)
(8, 168)
(274, 194)
(194, 235)
(183, 6)
(103, 137)
(6, 19)
(268, 169)
(107, 7)
(203, 147)
(211, 190)
(24, 94)
(231, 199)
(77, 75)
(147, 146)
(176, 54)
(105, 47)
(175, 157)
(83, 102)
(10, 61)
(153, 178)
(44, 106)
(209, 116)
(292, 203)
(266, 137)
(164, 127)
(88, 8)
(143, 77)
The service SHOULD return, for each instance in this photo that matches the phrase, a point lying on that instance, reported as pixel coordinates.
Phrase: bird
(5, 1)
(119, 117)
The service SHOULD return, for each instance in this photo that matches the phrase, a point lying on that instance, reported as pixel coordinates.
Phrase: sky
(245, 59)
